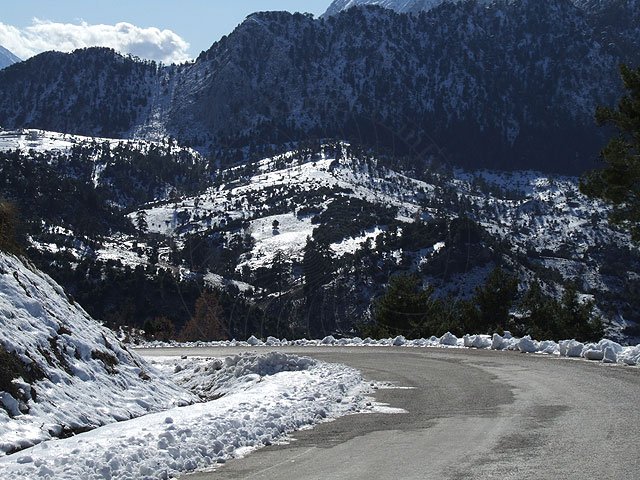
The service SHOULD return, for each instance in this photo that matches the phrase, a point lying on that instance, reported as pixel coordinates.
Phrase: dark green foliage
(493, 302)
(138, 297)
(213, 250)
(60, 188)
(141, 222)
(406, 308)
(546, 317)
(349, 217)
(160, 328)
(104, 101)
(619, 181)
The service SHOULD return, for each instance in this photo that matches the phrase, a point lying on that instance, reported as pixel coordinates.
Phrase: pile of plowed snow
(606, 351)
(264, 398)
(61, 372)
(213, 378)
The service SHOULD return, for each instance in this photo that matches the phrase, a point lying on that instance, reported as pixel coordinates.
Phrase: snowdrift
(265, 397)
(60, 371)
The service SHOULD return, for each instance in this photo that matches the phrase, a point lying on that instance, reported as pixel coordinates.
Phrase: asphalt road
(470, 415)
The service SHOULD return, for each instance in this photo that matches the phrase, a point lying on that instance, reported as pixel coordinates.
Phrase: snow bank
(221, 376)
(605, 350)
(267, 397)
(62, 371)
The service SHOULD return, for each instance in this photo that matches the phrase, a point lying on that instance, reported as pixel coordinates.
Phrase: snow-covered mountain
(330, 215)
(519, 81)
(400, 6)
(416, 6)
(354, 204)
(7, 58)
(61, 372)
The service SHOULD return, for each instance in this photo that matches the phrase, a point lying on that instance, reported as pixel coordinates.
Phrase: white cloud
(151, 43)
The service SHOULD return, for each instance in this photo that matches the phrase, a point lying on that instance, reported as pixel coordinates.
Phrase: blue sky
(159, 28)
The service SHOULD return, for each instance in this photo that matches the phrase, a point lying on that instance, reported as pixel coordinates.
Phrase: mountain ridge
(518, 81)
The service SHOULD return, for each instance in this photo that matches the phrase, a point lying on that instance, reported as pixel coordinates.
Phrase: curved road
(471, 414)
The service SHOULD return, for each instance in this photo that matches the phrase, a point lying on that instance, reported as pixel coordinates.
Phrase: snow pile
(286, 393)
(607, 351)
(222, 376)
(62, 372)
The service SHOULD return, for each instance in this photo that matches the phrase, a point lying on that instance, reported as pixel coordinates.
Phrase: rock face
(61, 371)
(504, 85)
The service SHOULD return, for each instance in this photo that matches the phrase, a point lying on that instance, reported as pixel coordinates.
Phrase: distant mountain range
(7, 58)
(506, 85)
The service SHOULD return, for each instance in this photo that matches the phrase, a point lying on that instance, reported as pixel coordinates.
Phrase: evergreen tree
(317, 269)
(579, 320)
(494, 300)
(619, 181)
(543, 314)
(141, 222)
(406, 308)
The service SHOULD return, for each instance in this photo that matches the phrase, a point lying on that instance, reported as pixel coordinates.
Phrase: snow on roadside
(606, 351)
(63, 372)
(265, 398)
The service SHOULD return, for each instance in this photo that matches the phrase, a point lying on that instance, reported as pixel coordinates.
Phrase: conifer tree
(494, 300)
(406, 308)
(619, 181)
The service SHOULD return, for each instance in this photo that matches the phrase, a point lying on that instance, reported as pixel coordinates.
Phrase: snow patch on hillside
(26, 139)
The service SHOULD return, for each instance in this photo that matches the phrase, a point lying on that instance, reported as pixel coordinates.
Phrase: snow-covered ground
(62, 373)
(265, 397)
(27, 139)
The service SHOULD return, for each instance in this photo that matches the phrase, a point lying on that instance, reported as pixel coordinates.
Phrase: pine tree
(542, 313)
(141, 222)
(619, 181)
(579, 320)
(406, 308)
(494, 300)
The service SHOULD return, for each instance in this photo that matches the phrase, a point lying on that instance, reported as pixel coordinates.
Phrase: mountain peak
(7, 58)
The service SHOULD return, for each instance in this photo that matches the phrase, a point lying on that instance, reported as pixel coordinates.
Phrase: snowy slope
(401, 6)
(62, 371)
(543, 217)
(7, 58)
(265, 397)
(46, 141)
(288, 176)
(460, 73)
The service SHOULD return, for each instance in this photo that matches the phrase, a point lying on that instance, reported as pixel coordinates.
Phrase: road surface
(471, 414)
